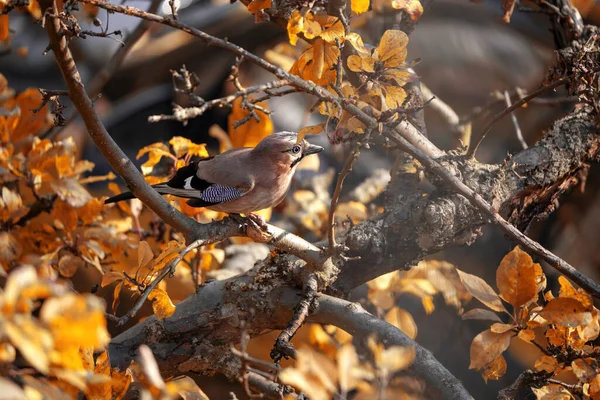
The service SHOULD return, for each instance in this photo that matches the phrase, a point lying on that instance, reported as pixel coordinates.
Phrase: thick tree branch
(355, 320)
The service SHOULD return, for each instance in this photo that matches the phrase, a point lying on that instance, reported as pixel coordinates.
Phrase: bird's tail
(161, 188)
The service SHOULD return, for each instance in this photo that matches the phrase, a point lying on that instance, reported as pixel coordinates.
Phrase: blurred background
(468, 58)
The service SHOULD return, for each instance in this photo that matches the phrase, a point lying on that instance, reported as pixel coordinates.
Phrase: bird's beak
(312, 149)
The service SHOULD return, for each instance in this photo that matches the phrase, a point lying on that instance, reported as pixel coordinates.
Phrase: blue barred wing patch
(218, 193)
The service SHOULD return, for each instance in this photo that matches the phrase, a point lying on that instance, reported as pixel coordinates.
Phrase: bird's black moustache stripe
(296, 161)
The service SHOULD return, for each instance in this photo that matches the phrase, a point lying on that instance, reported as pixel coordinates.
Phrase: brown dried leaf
(552, 392)
(402, 320)
(479, 289)
(501, 328)
(488, 346)
(527, 335)
(546, 363)
(480, 313)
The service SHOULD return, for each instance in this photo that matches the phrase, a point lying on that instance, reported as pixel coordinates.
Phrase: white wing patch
(188, 183)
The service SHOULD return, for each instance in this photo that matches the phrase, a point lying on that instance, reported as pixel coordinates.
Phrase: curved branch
(355, 320)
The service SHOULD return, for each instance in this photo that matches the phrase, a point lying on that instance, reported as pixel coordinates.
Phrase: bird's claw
(258, 221)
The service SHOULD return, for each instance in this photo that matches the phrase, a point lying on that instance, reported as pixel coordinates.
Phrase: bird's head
(281, 147)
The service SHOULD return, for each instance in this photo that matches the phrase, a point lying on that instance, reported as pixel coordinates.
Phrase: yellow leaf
(479, 289)
(359, 6)
(566, 311)
(250, 133)
(488, 346)
(517, 278)
(161, 303)
(394, 96)
(76, 321)
(313, 129)
(156, 152)
(355, 210)
(299, 24)
(354, 63)
(7, 353)
(402, 320)
(395, 358)
(33, 341)
(392, 48)
(413, 8)
(335, 31)
(183, 146)
(567, 290)
(495, 370)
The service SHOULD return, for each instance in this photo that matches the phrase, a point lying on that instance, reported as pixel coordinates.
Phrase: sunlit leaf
(359, 6)
(495, 370)
(414, 8)
(517, 278)
(392, 48)
(183, 146)
(552, 392)
(250, 133)
(479, 289)
(567, 312)
(402, 320)
(487, 346)
(161, 303)
(546, 363)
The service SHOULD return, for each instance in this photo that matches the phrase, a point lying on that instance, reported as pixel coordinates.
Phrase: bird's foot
(254, 226)
(258, 221)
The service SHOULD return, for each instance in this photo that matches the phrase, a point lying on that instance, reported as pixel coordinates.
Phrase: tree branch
(352, 318)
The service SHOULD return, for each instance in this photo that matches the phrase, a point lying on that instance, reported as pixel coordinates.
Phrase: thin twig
(283, 348)
(165, 271)
(473, 148)
(182, 114)
(101, 78)
(515, 122)
(336, 194)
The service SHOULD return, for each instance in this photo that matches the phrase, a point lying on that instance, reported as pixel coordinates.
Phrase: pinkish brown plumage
(239, 181)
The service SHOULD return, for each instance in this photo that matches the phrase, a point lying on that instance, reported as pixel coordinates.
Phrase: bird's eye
(296, 149)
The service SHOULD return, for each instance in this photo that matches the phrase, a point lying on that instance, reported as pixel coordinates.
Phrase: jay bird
(239, 181)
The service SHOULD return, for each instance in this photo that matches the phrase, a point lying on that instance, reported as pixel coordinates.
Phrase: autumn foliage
(54, 339)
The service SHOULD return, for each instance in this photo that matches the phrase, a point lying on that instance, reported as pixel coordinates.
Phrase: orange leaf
(527, 335)
(501, 328)
(257, 5)
(250, 133)
(567, 290)
(4, 27)
(517, 278)
(30, 123)
(495, 370)
(488, 346)
(483, 292)
(566, 311)
(161, 303)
